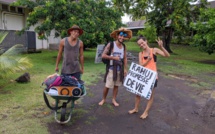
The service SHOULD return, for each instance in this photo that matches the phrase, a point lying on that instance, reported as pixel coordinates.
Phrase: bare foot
(115, 103)
(101, 102)
(132, 111)
(144, 116)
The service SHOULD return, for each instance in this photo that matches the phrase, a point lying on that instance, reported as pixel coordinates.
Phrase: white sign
(98, 58)
(140, 80)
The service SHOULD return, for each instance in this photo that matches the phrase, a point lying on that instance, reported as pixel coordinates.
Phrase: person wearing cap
(72, 49)
(117, 68)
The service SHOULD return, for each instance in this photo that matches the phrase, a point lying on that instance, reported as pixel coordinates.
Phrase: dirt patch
(183, 77)
(210, 62)
(177, 109)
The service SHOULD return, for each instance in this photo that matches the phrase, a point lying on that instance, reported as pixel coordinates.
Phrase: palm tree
(12, 61)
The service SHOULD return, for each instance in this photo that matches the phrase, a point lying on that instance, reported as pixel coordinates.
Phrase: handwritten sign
(140, 80)
(98, 58)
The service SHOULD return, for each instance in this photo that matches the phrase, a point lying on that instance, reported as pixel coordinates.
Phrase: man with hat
(73, 58)
(117, 68)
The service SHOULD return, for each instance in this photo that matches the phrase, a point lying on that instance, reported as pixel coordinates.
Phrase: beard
(120, 41)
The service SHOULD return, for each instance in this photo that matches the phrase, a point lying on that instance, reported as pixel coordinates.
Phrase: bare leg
(137, 103)
(105, 92)
(148, 106)
(115, 92)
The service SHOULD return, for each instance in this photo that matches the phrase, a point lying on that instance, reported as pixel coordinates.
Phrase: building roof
(140, 23)
(7, 1)
(211, 4)
(136, 24)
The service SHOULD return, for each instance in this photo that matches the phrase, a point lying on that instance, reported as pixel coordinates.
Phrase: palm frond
(3, 34)
(11, 61)
(15, 50)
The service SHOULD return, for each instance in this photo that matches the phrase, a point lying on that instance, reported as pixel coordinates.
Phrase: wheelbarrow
(66, 94)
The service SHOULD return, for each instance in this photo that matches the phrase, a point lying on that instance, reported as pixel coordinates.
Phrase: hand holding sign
(140, 80)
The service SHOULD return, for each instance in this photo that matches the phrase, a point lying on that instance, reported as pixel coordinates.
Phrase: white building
(13, 19)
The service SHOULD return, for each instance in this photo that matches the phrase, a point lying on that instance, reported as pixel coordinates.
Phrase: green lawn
(188, 62)
(22, 106)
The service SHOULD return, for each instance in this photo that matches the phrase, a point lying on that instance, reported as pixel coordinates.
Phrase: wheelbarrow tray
(63, 112)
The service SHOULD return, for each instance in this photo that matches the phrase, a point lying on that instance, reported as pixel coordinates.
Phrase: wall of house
(15, 18)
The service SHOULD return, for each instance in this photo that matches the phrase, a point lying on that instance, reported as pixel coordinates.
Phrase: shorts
(156, 83)
(109, 80)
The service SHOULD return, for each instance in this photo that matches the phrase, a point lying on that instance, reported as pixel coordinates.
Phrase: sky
(126, 18)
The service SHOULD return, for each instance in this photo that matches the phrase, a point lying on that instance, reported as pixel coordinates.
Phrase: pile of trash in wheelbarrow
(65, 89)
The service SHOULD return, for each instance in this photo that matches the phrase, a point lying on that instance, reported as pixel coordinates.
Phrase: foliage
(149, 32)
(122, 5)
(3, 34)
(30, 4)
(24, 102)
(204, 38)
(11, 61)
(170, 17)
(96, 19)
(186, 61)
(182, 40)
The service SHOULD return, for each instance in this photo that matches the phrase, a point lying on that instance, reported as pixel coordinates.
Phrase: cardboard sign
(98, 58)
(140, 80)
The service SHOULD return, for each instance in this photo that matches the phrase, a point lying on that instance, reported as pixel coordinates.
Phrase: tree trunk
(167, 37)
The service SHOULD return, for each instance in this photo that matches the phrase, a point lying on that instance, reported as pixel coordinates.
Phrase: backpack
(52, 80)
(107, 61)
(70, 81)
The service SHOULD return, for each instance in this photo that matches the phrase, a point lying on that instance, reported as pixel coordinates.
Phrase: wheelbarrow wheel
(63, 112)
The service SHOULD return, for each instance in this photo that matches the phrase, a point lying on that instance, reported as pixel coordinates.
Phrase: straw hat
(115, 33)
(75, 27)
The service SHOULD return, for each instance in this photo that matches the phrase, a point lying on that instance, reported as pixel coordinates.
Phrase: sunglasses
(123, 34)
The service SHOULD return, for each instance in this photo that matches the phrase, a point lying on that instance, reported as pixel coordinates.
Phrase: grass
(22, 106)
(186, 61)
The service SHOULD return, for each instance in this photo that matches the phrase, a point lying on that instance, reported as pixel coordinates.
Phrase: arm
(162, 51)
(106, 56)
(141, 62)
(60, 51)
(81, 56)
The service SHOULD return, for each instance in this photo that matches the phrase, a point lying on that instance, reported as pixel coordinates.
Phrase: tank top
(71, 58)
(152, 63)
(117, 51)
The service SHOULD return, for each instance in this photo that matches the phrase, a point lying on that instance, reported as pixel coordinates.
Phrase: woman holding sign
(148, 58)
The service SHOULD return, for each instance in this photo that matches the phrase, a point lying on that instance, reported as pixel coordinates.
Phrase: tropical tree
(12, 61)
(96, 18)
(149, 32)
(170, 17)
(204, 38)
